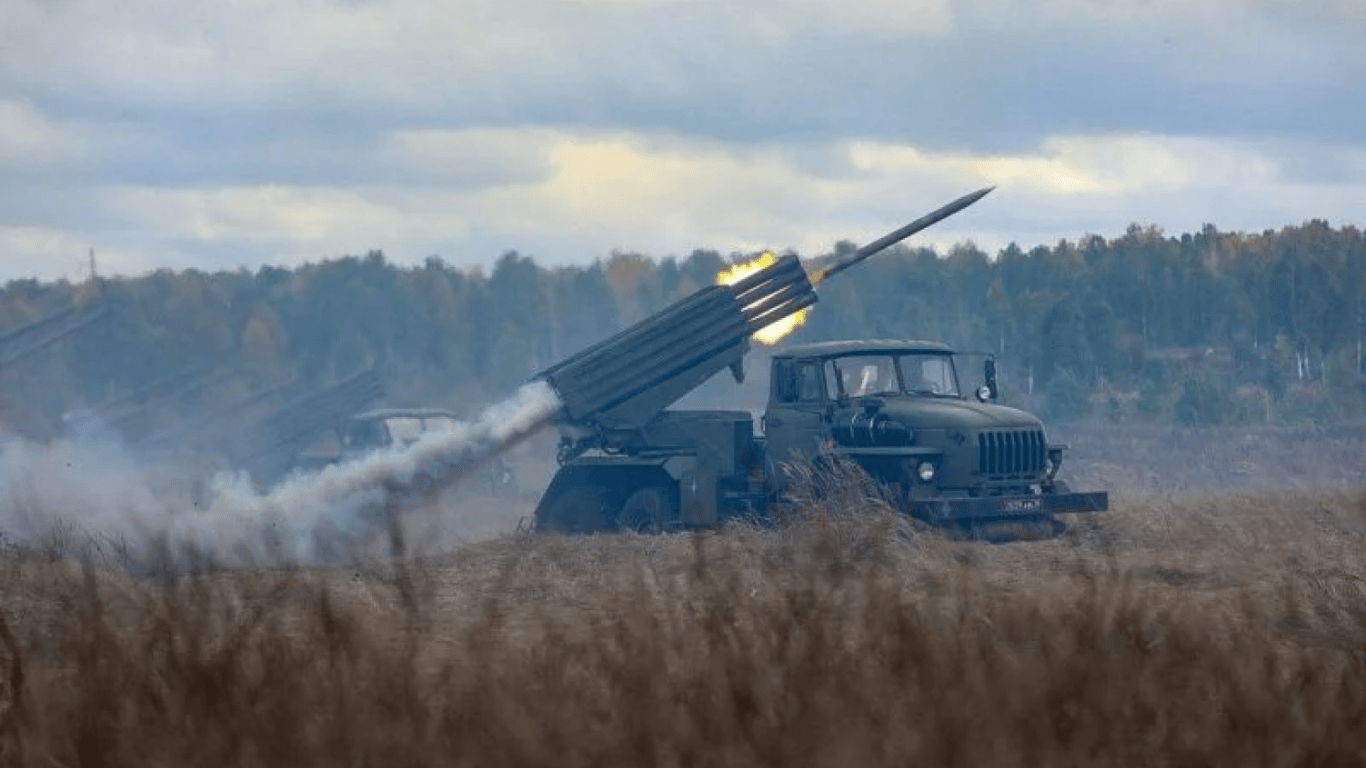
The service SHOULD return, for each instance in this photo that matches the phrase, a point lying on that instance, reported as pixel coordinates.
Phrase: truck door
(795, 423)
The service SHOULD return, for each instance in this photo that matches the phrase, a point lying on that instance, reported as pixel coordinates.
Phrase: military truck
(951, 456)
(383, 428)
(211, 419)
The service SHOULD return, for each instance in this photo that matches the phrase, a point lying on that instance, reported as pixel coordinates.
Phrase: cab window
(832, 379)
(784, 381)
(929, 374)
(404, 428)
(439, 424)
(863, 375)
(809, 382)
(365, 433)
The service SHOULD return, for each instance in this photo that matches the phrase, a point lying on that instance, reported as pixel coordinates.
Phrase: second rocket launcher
(625, 381)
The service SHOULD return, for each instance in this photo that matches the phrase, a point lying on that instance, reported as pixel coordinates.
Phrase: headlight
(925, 471)
(1049, 467)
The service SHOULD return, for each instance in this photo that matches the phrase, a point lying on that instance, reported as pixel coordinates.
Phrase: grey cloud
(53, 205)
(1322, 164)
(697, 68)
(280, 98)
(193, 150)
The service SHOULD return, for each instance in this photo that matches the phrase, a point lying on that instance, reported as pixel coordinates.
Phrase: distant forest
(1204, 328)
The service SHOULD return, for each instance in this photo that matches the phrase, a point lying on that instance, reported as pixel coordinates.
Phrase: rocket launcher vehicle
(961, 462)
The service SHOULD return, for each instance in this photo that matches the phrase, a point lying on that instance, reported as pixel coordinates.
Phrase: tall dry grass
(1218, 631)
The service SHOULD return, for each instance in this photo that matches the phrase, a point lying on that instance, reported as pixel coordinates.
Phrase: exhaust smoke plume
(95, 488)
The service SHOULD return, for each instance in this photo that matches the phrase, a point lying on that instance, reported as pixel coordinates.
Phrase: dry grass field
(1195, 630)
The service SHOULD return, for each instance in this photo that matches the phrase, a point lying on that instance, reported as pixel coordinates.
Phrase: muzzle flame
(775, 332)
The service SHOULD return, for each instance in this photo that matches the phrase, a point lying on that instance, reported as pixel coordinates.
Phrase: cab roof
(864, 346)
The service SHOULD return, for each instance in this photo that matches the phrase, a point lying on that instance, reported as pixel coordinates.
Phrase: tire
(653, 509)
(581, 509)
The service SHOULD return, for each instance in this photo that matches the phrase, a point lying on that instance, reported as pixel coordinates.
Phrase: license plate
(1023, 505)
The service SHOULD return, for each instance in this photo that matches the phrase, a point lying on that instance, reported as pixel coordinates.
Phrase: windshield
(404, 429)
(439, 424)
(362, 434)
(929, 374)
(915, 373)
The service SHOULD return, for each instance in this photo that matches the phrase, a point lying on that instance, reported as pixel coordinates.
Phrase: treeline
(1209, 327)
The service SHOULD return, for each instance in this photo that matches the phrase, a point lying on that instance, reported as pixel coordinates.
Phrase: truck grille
(1011, 452)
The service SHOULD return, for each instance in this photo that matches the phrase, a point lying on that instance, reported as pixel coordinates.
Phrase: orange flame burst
(774, 332)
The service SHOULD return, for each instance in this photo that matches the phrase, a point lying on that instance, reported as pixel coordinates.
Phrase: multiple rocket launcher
(620, 384)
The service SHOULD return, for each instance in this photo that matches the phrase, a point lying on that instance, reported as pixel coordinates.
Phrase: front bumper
(992, 509)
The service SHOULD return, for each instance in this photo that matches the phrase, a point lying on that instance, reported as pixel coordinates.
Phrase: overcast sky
(182, 133)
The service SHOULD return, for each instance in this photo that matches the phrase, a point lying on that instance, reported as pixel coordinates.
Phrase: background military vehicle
(895, 408)
(208, 419)
(383, 428)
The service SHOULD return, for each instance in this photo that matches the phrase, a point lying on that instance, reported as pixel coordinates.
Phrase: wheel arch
(618, 480)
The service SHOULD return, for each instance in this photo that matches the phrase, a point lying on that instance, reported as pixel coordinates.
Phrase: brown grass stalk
(1215, 631)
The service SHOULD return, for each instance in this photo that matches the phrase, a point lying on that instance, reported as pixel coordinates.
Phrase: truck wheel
(648, 510)
(583, 509)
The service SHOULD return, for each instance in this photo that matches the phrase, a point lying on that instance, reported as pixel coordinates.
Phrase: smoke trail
(74, 492)
(333, 502)
(303, 520)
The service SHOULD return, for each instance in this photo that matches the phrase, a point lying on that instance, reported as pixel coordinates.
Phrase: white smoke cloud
(89, 484)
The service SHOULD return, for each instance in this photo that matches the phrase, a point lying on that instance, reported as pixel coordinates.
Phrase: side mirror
(989, 370)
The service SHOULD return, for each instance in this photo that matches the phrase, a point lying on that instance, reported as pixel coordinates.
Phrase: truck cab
(387, 427)
(904, 413)
(397, 428)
